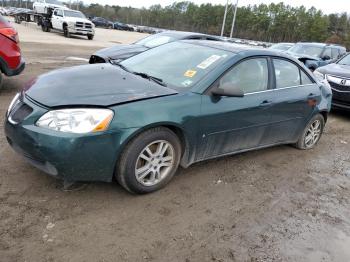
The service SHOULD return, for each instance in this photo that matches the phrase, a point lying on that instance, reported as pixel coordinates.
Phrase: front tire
(149, 161)
(66, 32)
(312, 133)
(90, 37)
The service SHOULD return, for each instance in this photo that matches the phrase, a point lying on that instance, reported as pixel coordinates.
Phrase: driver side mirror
(326, 57)
(227, 90)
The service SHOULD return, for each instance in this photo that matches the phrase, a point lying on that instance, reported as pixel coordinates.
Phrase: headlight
(79, 121)
(14, 102)
(319, 75)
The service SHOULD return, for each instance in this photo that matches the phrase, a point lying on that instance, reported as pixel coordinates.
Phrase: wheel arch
(325, 115)
(177, 129)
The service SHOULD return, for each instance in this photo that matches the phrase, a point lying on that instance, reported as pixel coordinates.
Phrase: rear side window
(305, 79)
(287, 73)
(335, 53)
(251, 76)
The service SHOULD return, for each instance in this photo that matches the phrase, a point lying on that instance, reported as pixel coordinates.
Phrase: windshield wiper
(149, 77)
(121, 66)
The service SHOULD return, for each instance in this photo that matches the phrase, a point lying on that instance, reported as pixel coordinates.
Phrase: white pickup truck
(72, 22)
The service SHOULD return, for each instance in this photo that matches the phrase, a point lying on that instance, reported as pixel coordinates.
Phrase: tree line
(271, 23)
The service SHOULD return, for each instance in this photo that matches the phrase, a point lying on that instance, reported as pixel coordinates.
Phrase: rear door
(295, 97)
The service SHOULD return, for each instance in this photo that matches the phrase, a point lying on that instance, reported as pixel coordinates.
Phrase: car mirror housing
(228, 91)
(326, 57)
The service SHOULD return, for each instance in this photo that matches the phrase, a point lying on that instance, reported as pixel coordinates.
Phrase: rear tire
(312, 133)
(149, 161)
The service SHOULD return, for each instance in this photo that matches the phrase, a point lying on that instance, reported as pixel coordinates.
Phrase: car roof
(183, 34)
(321, 44)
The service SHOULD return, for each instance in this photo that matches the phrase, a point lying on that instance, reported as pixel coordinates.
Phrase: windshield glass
(345, 60)
(309, 50)
(180, 65)
(69, 13)
(54, 2)
(155, 40)
(283, 47)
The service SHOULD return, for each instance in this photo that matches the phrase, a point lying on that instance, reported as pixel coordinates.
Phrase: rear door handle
(266, 103)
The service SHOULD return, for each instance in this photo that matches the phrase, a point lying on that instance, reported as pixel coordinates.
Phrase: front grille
(83, 25)
(20, 112)
(339, 87)
(96, 60)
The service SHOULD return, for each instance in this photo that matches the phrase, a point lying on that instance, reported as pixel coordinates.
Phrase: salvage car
(314, 55)
(283, 47)
(119, 53)
(176, 104)
(338, 76)
(11, 60)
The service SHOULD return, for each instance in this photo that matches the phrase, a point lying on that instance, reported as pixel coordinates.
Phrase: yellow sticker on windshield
(190, 73)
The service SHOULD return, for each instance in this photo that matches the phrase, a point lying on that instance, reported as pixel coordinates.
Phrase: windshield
(180, 65)
(283, 47)
(69, 13)
(155, 40)
(54, 2)
(345, 60)
(309, 50)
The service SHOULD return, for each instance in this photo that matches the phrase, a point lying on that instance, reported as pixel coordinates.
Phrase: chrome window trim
(275, 89)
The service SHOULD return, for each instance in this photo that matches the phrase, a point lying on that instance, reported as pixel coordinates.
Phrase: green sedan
(176, 104)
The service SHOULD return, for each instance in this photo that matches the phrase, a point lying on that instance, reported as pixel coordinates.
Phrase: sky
(327, 6)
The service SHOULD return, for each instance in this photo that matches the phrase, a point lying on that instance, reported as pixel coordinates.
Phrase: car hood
(97, 85)
(303, 56)
(77, 19)
(336, 69)
(121, 51)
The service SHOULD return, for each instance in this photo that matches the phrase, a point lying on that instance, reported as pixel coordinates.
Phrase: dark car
(338, 76)
(314, 55)
(121, 26)
(102, 22)
(119, 53)
(176, 104)
(283, 47)
(11, 61)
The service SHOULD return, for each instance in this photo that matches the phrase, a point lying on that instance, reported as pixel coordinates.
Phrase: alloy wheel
(155, 163)
(313, 134)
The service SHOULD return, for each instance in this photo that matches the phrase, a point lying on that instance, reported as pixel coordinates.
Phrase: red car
(11, 61)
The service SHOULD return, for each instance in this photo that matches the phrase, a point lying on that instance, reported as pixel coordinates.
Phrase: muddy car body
(161, 109)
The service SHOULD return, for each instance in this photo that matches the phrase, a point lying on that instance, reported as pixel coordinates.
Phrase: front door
(231, 124)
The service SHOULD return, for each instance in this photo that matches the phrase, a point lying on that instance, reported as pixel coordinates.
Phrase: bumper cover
(71, 157)
(9, 71)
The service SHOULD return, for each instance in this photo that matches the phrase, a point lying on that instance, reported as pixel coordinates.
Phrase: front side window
(335, 53)
(307, 49)
(251, 76)
(327, 53)
(305, 79)
(287, 73)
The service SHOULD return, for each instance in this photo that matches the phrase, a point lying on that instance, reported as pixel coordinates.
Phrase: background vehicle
(338, 76)
(121, 26)
(282, 46)
(72, 22)
(120, 52)
(11, 62)
(43, 6)
(314, 55)
(102, 22)
(179, 103)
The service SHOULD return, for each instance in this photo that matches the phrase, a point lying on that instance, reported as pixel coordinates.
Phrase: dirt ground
(276, 204)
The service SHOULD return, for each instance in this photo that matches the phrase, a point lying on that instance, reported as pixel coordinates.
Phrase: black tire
(90, 37)
(1, 79)
(301, 144)
(125, 170)
(66, 31)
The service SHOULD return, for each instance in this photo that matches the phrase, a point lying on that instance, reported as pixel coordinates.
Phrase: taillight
(10, 33)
